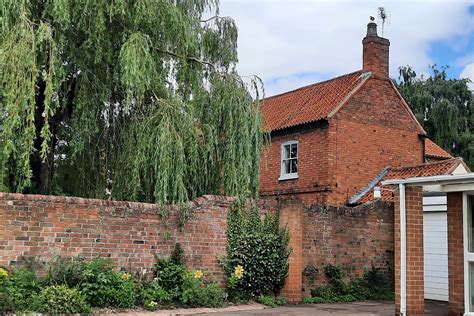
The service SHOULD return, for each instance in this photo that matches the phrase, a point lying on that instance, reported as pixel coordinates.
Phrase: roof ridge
(312, 84)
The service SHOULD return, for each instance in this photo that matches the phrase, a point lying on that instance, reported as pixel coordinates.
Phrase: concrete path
(239, 309)
(355, 308)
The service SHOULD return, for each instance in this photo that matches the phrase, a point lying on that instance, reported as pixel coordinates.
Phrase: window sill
(288, 177)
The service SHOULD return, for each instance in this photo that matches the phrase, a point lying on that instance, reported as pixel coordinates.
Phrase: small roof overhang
(444, 183)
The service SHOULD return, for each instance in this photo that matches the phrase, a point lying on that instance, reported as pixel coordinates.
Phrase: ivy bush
(374, 285)
(260, 248)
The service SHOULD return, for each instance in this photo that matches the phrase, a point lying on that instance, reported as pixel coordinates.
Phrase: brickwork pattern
(355, 237)
(127, 232)
(291, 217)
(372, 130)
(414, 252)
(456, 254)
(312, 183)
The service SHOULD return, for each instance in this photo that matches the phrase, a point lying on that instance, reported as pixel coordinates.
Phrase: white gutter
(444, 179)
(403, 251)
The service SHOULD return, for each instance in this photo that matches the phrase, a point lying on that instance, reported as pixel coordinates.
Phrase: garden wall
(357, 238)
(130, 233)
(127, 232)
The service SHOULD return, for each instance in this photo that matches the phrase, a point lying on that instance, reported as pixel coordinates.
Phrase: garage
(435, 247)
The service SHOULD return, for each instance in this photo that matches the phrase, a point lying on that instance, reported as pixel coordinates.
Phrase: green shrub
(170, 276)
(59, 299)
(197, 293)
(372, 286)
(17, 290)
(272, 301)
(261, 248)
(104, 287)
(62, 271)
(153, 296)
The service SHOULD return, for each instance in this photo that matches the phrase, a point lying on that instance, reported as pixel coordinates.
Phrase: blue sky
(292, 43)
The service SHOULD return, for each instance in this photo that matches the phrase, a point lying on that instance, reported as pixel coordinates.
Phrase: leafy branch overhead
(136, 100)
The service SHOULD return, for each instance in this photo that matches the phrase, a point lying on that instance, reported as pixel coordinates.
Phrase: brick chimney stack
(375, 52)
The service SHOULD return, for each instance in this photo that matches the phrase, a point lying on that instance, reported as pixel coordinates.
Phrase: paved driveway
(355, 308)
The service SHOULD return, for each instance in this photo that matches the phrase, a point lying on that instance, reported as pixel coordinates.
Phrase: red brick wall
(456, 254)
(291, 217)
(371, 131)
(127, 232)
(414, 252)
(355, 237)
(312, 183)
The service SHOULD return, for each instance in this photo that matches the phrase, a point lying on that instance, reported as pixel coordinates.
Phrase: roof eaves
(366, 76)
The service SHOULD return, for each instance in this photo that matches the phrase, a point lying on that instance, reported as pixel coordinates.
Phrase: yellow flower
(3, 272)
(125, 276)
(239, 272)
(198, 274)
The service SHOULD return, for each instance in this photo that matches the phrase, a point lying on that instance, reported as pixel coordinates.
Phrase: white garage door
(435, 247)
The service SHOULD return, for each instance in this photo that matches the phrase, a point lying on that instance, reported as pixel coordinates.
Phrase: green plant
(374, 285)
(177, 256)
(197, 293)
(154, 295)
(272, 301)
(261, 248)
(63, 271)
(59, 299)
(170, 276)
(17, 290)
(105, 287)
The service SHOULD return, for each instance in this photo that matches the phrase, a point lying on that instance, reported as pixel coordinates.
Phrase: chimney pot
(372, 29)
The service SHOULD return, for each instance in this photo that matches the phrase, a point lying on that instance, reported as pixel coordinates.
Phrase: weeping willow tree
(128, 99)
(445, 108)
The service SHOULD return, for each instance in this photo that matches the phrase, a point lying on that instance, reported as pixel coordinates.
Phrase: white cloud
(280, 40)
(468, 72)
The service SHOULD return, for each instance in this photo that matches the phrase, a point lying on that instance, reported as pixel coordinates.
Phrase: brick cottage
(332, 144)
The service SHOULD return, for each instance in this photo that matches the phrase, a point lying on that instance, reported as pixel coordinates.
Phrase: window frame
(283, 175)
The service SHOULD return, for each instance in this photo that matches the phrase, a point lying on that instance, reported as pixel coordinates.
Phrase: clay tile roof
(442, 167)
(434, 151)
(310, 103)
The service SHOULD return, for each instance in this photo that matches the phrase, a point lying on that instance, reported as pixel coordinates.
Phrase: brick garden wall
(355, 237)
(131, 233)
(127, 232)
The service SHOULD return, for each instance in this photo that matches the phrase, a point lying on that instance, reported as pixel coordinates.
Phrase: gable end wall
(371, 131)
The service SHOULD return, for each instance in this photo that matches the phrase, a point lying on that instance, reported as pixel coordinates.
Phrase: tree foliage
(136, 100)
(445, 108)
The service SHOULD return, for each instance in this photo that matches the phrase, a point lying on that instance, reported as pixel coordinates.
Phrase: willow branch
(191, 58)
(211, 18)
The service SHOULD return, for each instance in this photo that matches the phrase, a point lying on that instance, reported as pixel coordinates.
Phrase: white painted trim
(403, 251)
(466, 262)
(288, 176)
(283, 175)
(441, 180)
